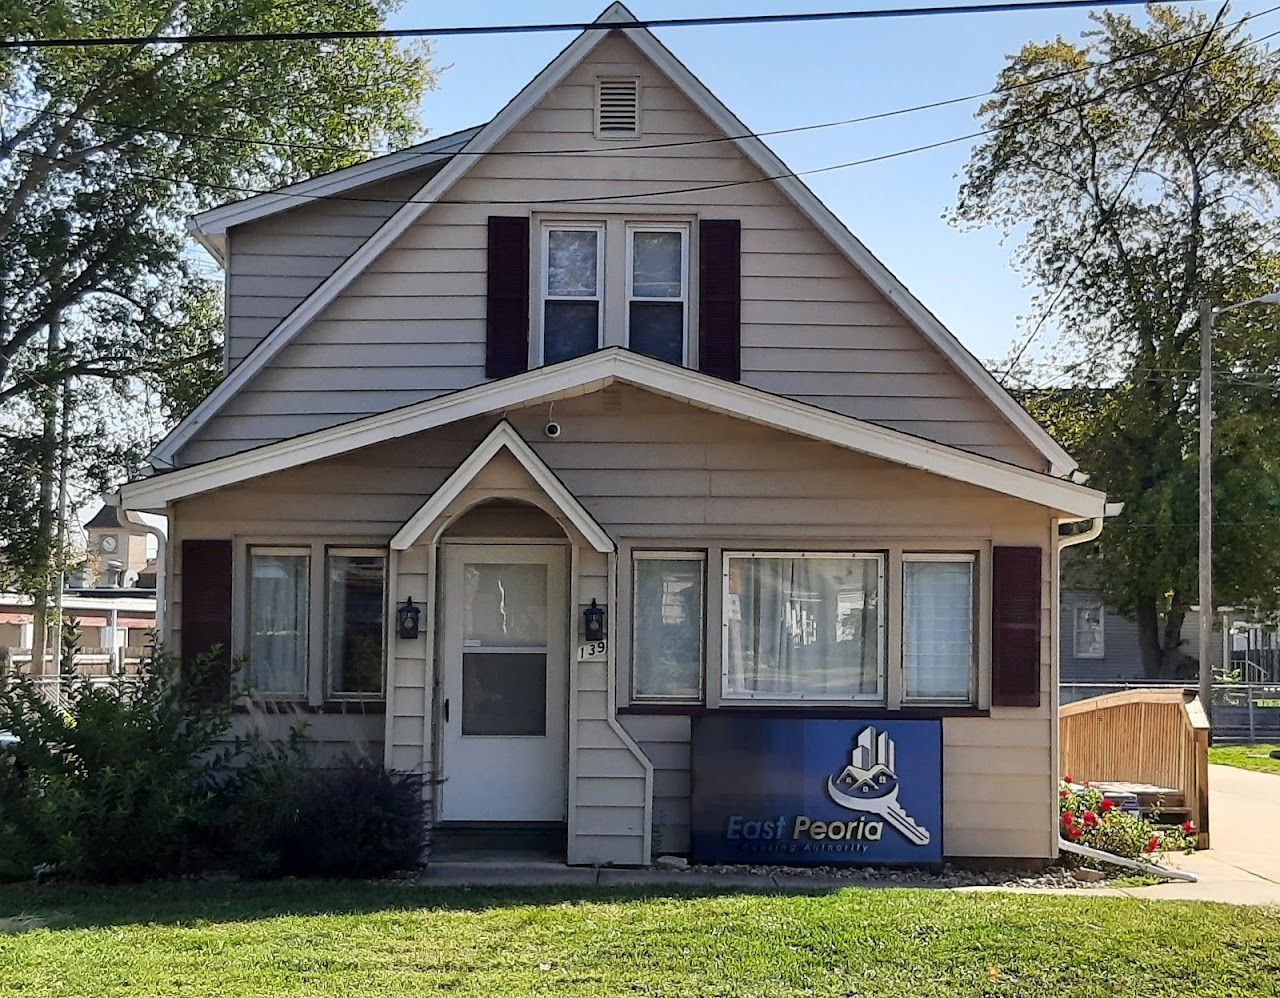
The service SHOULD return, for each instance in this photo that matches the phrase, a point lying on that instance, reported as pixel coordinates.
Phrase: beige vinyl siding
(412, 326)
(654, 470)
(275, 263)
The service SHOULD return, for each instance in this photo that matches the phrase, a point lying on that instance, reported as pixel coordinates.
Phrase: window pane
(356, 622)
(655, 264)
(278, 604)
(571, 262)
(1088, 640)
(666, 646)
(657, 330)
(803, 627)
(505, 606)
(504, 693)
(571, 329)
(937, 630)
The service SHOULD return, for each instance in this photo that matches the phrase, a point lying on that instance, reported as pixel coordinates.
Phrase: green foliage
(354, 819)
(103, 154)
(1087, 817)
(1140, 188)
(122, 781)
(1257, 757)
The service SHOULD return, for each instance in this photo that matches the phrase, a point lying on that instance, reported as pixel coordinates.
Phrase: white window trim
(352, 551)
(665, 555)
(1102, 630)
(684, 229)
(544, 276)
(878, 698)
(970, 699)
(292, 550)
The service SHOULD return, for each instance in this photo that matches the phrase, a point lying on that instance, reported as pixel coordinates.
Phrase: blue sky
(776, 76)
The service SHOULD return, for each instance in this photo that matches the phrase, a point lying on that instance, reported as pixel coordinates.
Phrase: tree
(103, 153)
(1140, 172)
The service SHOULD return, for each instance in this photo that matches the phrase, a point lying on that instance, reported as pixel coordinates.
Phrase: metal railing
(57, 689)
(1240, 712)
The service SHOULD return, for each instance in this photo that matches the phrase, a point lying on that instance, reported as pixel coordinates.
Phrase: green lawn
(365, 940)
(1255, 757)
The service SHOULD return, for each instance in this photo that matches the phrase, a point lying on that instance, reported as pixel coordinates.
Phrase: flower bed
(1092, 819)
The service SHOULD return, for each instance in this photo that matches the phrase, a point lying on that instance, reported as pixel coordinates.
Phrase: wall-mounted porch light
(407, 619)
(593, 622)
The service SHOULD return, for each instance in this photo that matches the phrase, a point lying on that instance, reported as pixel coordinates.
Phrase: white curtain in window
(803, 627)
(937, 629)
(278, 615)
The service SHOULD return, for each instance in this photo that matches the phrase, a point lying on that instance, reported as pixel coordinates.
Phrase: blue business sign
(829, 792)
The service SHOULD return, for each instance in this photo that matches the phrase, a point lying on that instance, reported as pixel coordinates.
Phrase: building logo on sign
(869, 784)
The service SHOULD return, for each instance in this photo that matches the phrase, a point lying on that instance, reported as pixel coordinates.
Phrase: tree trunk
(1160, 640)
(44, 522)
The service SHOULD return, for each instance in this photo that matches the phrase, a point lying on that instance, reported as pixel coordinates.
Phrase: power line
(531, 28)
(1133, 172)
(693, 189)
(790, 130)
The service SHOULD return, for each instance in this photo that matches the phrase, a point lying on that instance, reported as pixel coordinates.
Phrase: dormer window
(618, 108)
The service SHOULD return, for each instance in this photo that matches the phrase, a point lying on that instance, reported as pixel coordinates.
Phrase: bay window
(355, 610)
(938, 615)
(667, 625)
(803, 626)
(572, 284)
(279, 604)
(658, 291)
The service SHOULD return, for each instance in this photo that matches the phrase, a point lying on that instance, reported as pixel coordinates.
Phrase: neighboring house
(604, 352)
(117, 552)
(115, 629)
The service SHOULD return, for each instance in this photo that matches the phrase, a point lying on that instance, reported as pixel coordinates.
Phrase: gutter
(1095, 527)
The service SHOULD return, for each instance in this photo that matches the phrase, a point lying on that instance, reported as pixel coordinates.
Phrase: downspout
(162, 544)
(1066, 845)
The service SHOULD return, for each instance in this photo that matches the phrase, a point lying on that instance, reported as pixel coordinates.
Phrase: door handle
(446, 710)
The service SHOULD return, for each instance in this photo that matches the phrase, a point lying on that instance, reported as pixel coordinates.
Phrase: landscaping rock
(907, 876)
(1090, 876)
(671, 863)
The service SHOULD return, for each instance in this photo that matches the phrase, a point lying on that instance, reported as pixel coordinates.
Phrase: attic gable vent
(618, 108)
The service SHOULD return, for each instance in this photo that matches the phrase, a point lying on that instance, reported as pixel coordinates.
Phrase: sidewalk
(1243, 867)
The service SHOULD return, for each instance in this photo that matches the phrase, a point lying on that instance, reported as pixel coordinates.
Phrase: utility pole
(1206, 507)
(60, 524)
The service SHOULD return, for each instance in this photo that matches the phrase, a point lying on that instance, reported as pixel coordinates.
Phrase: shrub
(124, 780)
(354, 819)
(1089, 818)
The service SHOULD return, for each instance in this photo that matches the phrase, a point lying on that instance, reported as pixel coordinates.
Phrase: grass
(352, 940)
(1256, 757)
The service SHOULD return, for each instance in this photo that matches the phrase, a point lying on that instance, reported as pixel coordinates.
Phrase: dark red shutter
(720, 298)
(206, 612)
(1015, 638)
(506, 349)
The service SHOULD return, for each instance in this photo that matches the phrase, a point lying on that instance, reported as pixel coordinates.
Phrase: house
(117, 544)
(555, 453)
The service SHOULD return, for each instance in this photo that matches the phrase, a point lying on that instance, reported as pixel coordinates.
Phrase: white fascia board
(503, 436)
(216, 221)
(592, 372)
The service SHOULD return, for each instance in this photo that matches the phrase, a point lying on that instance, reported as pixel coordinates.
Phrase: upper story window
(658, 291)
(572, 282)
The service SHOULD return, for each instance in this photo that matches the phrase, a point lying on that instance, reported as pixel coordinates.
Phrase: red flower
(1189, 827)
(1086, 783)
(1068, 818)
(1106, 805)
(1090, 819)
(1152, 843)
(1064, 793)
(1067, 779)
(1073, 831)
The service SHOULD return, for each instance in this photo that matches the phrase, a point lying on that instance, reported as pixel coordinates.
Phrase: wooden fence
(1153, 736)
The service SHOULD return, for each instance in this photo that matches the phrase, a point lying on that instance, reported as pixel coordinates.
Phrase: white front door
(503, 683)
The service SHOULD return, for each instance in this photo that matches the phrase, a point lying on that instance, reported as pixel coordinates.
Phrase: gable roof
(210, 227)
(487, 136)
(503, 437)
(598, 370)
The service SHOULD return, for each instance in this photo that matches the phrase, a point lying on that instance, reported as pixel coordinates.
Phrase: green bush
(354, 819)
(125, 780)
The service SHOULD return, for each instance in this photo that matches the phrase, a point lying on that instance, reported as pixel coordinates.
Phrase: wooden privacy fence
(1153, 736)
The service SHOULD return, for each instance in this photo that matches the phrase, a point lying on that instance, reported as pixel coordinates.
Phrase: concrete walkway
(1243, 867)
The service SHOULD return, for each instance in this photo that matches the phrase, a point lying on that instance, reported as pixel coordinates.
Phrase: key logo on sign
(869, 784)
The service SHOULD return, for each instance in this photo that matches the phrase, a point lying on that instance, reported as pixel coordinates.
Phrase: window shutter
(206, 611)
(507, 315)
(720, 298)
(1015, 638)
